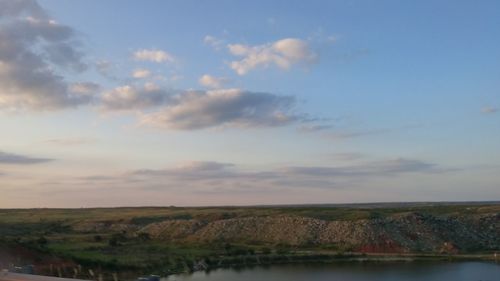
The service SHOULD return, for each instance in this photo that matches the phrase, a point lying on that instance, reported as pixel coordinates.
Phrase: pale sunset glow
(184, 103)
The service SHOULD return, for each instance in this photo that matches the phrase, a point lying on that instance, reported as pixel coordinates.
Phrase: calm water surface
(421, 271)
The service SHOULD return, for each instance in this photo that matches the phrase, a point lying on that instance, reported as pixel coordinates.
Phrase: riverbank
(328, 258)
(67, 268)
(371, 266)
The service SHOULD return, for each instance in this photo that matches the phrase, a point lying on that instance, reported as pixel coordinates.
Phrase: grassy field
(152, 214)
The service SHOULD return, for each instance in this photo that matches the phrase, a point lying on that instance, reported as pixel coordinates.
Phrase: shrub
(143, 236)
(116, 239)
(42, 241)
(266, 251)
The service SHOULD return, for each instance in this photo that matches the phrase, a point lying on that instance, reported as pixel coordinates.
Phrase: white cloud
(217, 44)
(283, 53)
(212, 81)
(141, 73)
(153, 55)
(315, 127)
(133, 98)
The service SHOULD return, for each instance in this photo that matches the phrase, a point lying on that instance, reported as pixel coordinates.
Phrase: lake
(411, 271)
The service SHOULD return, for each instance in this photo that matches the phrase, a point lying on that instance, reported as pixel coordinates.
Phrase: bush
(117, 239)
(266, 251)
(113, 242)
(143, 236)
(42, 241)
(282, 251)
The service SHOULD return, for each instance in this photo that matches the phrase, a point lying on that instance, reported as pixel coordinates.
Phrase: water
(421, 271)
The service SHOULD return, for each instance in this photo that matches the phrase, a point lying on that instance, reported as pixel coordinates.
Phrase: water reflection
(411, 271)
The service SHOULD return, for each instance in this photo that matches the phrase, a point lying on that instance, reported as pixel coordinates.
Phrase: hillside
(176, 238)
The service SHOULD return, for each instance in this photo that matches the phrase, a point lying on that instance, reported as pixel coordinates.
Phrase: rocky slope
(398, 233)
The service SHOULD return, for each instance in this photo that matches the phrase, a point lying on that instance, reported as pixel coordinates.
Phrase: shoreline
(323, 258)
(304, 258)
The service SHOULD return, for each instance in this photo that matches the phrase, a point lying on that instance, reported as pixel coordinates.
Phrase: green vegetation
(136, 239)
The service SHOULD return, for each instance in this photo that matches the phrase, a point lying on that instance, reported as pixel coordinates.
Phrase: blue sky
(111, 103)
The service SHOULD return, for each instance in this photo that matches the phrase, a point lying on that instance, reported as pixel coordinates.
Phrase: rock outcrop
(409, 232)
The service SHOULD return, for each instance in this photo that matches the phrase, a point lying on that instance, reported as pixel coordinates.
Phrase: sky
(197, 103)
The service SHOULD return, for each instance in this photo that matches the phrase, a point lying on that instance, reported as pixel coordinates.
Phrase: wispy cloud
(141, 73)
(129, 97)
(214, 42)
(85, 88)
(378, 169)
(70, 141)
(338, 135)
(283, 54)
(350, 135)
(347, 156)
(212, 81)
(489, 110)
(17, 159)
(153, 55)
(226, 177)
(315, 127)
(106, 69)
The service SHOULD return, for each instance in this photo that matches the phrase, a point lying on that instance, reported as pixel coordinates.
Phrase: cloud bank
(192, 110)
(227, 177)
(33, 49)
(16, 159)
